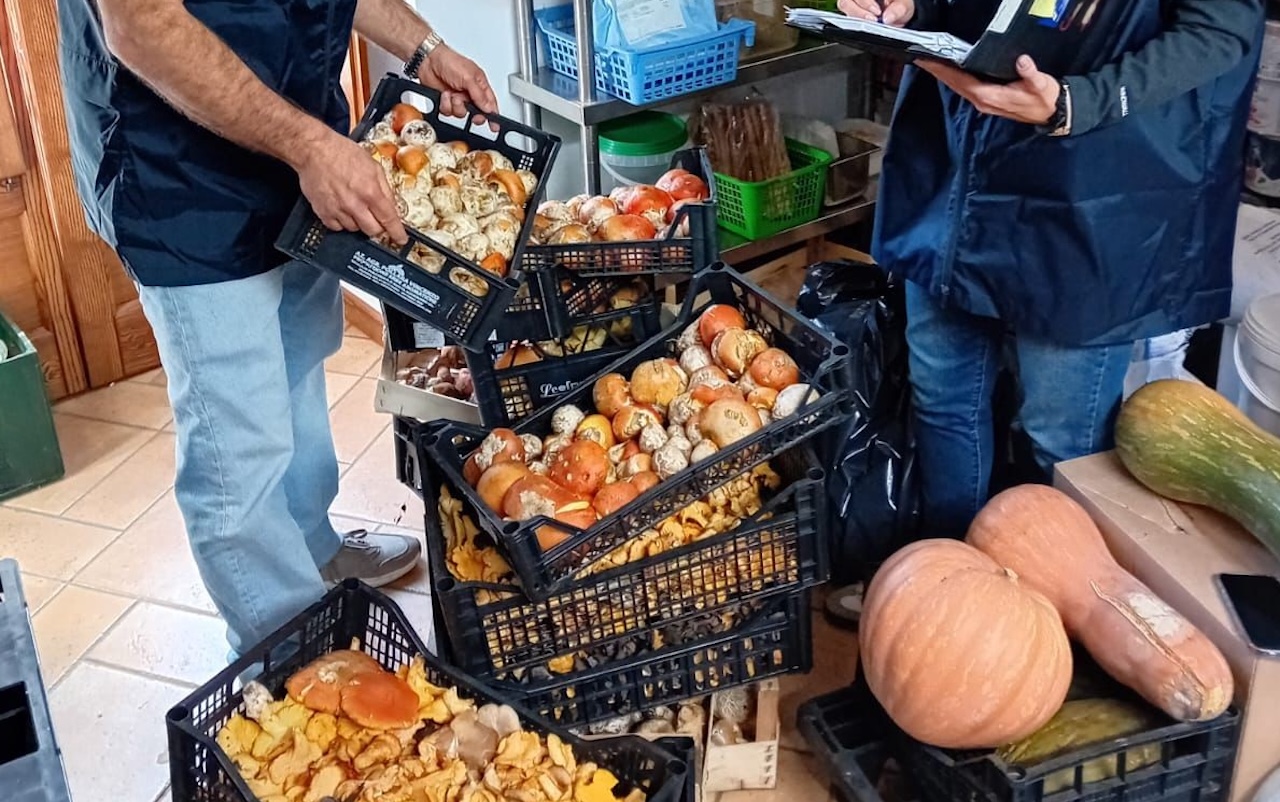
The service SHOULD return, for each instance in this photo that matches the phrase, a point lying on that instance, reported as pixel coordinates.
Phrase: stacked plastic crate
(600, 625)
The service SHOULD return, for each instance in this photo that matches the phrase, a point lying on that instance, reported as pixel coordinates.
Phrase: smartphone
(1254, 601)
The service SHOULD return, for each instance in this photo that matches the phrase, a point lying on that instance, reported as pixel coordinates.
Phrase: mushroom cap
(380, 701)
(318, 685)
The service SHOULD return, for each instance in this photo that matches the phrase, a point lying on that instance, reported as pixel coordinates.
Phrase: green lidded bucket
(637, 149)
(29, 453)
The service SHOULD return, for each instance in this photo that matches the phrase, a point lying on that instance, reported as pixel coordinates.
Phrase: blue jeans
(256, 469)
(1069, 399)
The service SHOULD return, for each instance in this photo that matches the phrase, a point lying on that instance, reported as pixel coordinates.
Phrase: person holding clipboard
(1075, 213)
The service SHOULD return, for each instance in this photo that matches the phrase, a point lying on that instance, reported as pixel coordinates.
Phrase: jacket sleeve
(1205, 40)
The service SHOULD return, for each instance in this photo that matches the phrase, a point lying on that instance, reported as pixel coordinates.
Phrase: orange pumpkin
(1049, 541)
(960, 654)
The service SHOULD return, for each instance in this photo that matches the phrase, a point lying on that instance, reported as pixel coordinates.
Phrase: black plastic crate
(686, 749)
(508, 395)
(672, 255)
(1195, 765)
(582, 302)
(824, 364)
(555, 301)
(467, 317)
(781, 549)
(201, 772)
(850, 737)
(30, 762)
(777, 640)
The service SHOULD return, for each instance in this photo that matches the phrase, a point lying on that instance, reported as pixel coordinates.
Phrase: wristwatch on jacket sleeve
(1060, 123)
(420, 55)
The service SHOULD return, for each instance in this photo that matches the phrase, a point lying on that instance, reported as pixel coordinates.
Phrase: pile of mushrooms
(471, 202)
(727, 384)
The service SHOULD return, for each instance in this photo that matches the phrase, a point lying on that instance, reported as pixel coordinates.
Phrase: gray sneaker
(375, 559)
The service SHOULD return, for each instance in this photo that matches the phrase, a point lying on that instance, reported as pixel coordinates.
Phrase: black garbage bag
(872, 481)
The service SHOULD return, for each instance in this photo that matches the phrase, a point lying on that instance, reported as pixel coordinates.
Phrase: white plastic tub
(638, 149)
(1257, 358)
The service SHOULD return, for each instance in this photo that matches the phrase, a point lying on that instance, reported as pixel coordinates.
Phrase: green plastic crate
(29, 453)
(760, 209)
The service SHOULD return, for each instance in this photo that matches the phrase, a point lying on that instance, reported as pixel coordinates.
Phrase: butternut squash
(1050, 542)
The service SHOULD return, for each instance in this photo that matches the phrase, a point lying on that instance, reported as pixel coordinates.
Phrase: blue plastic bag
(637, 25)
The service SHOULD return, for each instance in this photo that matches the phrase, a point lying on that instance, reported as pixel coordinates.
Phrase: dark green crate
(29, 453)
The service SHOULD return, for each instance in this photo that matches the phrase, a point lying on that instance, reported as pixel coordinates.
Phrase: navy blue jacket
(1122, 230)
(180, 204)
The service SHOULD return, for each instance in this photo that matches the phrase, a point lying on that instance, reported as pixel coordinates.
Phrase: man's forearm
(392, 25)
(186, 64)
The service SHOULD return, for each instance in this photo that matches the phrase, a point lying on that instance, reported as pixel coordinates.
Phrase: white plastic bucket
(1264, 108)
(637, 149)
(1269, 65)
(1257, 358)
(631, 171)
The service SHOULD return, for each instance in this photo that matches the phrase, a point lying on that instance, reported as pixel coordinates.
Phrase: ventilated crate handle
(396, 86)
(744, 27)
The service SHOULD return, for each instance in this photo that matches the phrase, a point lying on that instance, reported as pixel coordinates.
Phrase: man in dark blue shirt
(1079, 213)
(194, 125)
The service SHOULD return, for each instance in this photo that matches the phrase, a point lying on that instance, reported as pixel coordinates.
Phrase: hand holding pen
(889, 12)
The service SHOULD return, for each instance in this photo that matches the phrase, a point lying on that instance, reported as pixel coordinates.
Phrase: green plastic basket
(760, 209)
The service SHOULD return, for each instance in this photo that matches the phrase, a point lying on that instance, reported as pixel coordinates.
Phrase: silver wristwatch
(420, 55)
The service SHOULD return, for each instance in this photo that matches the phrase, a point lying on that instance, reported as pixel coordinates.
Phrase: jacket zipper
(959, 199)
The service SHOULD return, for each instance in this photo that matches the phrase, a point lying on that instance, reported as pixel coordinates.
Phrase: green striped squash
(1188, 443)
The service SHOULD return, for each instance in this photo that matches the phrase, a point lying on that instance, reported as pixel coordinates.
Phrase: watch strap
(419, 57)
(1060, 125)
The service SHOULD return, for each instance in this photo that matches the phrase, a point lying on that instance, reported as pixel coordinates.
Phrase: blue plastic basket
(647, 76)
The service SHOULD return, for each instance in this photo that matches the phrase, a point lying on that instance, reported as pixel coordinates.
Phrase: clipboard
(1065, 37)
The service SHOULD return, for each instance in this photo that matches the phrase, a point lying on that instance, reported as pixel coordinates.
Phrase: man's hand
(1032, 99)
(348, 189)
(893, 12)
(460, 79)
(394, 26)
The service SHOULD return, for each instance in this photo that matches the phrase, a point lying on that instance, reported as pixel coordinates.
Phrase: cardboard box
(404, 401)
(1177, 550)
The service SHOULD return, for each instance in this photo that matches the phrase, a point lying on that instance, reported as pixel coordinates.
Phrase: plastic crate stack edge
(776, 642)
(781, 549)
(673, 255)
(823, 361)
(852, 738)
(508, 395)
(31, 767)
(201, 772)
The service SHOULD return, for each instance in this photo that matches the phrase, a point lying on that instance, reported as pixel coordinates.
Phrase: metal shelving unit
(541, 90)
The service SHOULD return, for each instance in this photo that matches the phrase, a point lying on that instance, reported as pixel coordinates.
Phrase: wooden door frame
(29, 41)
(366, 320)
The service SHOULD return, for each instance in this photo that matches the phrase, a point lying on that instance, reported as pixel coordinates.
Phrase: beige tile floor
(123, 624)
